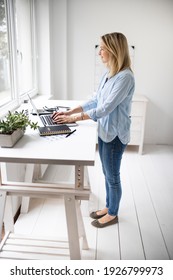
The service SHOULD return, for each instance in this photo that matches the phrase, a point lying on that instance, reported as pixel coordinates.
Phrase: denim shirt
(111, 106)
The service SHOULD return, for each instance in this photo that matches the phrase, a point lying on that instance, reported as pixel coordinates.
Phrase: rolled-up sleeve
(90, 108)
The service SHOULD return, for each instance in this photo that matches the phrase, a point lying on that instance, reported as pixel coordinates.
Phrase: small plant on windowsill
(13, 127)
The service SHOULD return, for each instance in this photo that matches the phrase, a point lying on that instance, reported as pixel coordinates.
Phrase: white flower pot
(8, 141)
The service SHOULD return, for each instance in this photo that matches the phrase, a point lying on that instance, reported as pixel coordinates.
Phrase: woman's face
(104, 54)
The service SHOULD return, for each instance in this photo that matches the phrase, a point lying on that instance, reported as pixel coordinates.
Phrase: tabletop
(77, 148)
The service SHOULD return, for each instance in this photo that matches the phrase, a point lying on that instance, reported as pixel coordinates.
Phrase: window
(17, 51)
(5, 84)
(25, 47)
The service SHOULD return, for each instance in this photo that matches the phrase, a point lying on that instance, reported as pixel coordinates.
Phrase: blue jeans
(111, 155)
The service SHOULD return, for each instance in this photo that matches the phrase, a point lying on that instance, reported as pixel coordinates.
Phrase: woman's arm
(70, 116)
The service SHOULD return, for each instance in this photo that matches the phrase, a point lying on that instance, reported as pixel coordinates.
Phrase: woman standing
(110, 107)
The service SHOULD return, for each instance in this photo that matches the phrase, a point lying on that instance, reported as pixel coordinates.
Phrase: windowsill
(11, 106)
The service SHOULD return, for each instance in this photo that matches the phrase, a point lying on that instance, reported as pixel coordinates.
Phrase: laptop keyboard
(47, 120)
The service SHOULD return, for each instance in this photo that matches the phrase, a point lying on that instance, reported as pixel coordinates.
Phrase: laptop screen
(33, 105)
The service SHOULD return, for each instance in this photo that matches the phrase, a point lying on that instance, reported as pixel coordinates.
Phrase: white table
(77, 150)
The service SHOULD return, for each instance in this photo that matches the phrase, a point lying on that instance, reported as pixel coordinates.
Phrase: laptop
(46, 119)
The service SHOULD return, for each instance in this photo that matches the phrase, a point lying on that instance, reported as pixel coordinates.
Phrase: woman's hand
(61, 117)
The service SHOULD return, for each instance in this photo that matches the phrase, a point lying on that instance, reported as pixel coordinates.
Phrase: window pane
(5, 87)
(24, 46)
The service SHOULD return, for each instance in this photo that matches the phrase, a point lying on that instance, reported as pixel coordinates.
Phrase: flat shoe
(97, 224)
(94, 215)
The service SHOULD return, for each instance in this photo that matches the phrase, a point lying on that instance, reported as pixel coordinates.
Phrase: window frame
(16, 98)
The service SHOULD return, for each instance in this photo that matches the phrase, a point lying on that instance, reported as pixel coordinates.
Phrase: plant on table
(14, 121)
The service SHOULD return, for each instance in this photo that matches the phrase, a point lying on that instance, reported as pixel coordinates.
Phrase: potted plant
(12, 128)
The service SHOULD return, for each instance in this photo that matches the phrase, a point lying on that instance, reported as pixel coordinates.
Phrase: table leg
(8, 215)
(8, 212)
(79, 184)
(72, 227)
(28, 178)
(81, 226)
(79, 176)
(2, 207)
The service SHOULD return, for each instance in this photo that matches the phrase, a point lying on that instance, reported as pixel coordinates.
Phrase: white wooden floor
(145, 229)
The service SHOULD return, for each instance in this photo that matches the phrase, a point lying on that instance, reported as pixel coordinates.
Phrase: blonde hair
(117, 46)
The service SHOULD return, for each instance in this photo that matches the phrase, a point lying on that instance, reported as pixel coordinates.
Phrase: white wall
(43, 42)
(58, 22)
(76, 27)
